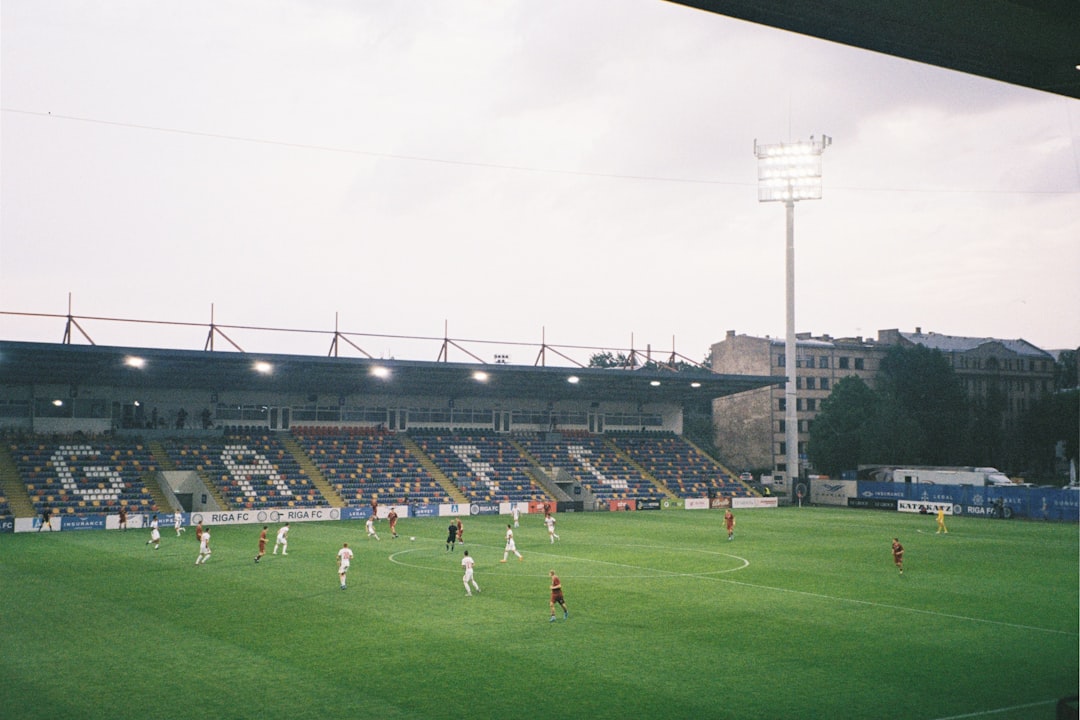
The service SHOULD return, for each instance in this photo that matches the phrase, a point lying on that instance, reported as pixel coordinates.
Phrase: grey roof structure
(1031, 43)
(24, 363)
(959, 344)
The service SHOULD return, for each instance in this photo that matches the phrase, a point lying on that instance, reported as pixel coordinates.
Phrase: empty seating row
(593, 463)
(679, 465)
(82, 477)
(254, 470)
(250, 471)
(486, 468)
(370, 466)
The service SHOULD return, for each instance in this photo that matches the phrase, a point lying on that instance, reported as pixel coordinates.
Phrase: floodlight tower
(789, 172)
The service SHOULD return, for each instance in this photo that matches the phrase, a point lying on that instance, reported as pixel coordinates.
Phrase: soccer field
(802, 615)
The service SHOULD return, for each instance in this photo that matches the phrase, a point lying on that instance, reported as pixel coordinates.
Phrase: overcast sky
(511, 171)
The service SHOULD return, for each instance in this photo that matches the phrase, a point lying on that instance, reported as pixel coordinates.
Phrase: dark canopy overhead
(1034, 43)
(95, 365)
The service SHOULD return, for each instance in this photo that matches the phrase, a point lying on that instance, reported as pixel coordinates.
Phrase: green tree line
(919, 414)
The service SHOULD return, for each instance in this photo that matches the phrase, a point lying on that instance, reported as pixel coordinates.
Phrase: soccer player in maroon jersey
(262, 544)
(557, 596)
(898, 554)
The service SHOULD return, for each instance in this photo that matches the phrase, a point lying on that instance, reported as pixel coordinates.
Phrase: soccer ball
(413, 537)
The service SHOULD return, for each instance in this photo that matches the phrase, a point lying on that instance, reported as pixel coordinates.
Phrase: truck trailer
(982, 477)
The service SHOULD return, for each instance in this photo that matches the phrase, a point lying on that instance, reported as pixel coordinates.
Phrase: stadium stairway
(637, 466)
(157, 450)
(723, 468)
(13, 487)
(161, 456)
(215, 491)
(428, 464)
(318, 480)
(537, 473)
(152, 481)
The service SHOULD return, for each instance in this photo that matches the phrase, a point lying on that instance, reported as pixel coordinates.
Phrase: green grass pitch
(802, 615)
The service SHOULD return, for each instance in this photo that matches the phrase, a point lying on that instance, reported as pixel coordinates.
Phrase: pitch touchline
(894, 607)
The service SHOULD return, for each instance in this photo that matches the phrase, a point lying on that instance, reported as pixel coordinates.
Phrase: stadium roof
(1033, 43)
(24, 363)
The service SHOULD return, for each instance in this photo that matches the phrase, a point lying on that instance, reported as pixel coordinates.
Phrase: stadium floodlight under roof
(790, 171)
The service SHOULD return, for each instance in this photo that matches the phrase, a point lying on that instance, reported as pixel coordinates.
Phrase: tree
(1052, 419)
(607, 360)
(1065, 370)
(837, 435)
(986, 442)
(926, 392)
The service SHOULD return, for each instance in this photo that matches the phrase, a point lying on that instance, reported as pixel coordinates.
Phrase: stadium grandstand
(88, 430)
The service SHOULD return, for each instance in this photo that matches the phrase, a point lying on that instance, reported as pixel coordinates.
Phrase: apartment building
(751, 427)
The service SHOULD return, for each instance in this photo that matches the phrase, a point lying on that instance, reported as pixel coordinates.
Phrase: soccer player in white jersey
(549, 520)
(282, 540)
(345, 556)
(371, 527)
(204, 548)
(155, 534)
(516, 512)
(510, 546)
(178, 522)
(468, 563)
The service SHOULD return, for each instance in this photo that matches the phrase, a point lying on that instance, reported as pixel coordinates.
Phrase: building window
(859, 364)
(824, 383)
(783, 426)
(798, 382)
(783, 404)
(783, 449)
(843, 363)
(781, 360)
(823, 361)
(811, 404)
(810, 382)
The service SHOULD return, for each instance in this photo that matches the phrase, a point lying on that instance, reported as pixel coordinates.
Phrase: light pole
(788, 172)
